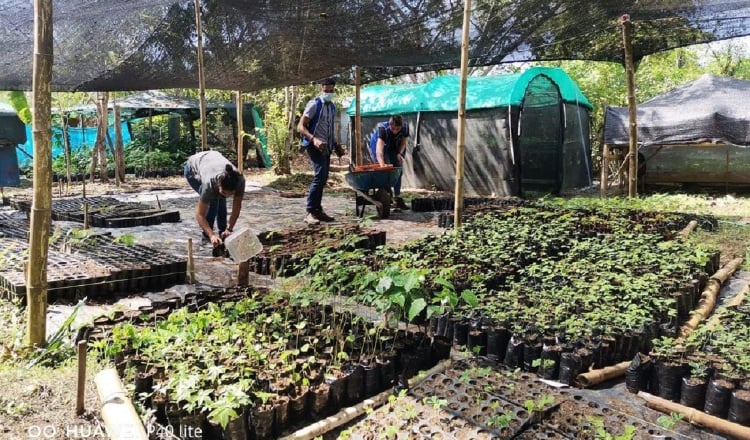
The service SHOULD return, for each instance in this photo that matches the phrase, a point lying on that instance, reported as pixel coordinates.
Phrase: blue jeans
(393, 159)
(217, 209)
(321, 164)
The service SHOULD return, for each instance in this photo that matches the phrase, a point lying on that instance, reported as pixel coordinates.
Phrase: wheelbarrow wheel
(383, 196)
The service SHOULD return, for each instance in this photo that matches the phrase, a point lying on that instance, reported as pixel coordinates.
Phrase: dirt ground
(40, 402)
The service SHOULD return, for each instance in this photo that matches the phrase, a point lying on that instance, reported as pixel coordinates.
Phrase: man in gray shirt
(214, 178)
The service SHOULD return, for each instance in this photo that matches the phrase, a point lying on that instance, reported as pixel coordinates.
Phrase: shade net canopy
(250, 45)
(711, 109)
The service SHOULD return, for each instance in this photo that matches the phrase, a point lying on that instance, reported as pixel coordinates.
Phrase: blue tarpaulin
(79, 138)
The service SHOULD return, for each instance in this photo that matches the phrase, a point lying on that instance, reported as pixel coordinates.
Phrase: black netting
(540, 141)
(251, 45)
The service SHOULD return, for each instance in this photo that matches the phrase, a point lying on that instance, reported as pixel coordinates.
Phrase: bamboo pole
(603, 181)
(41, 203)
(708, 298)
(190, 262)
(683, 234)
(695, 416)
(120, 419)
(240, 134)
(348, 414)
(119, 150)
(201, 75)
(458, 206)
(81, 383)
(357, 119)
(633, 132)
(595, 377)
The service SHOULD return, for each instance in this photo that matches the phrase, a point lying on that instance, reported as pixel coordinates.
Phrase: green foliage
(669, 421)
(601, 433)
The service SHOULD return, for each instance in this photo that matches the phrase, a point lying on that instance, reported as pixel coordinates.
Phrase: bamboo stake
(627, 43)
(603, 181)
(683, 234)
(190, 262)
(461, 139)
(120, 419)
(357, 120)
(240, 134)
(41, 202)
(695, 416)
(595, 377)
(201, 75)
(708, 299)
(81, 385)
(348, 414)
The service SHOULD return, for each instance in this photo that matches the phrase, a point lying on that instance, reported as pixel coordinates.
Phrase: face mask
(327, 97)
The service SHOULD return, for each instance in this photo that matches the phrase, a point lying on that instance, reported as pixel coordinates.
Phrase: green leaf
(398, 298)
(384, 284)
(416, 308)
(469, 297)
(222, 415)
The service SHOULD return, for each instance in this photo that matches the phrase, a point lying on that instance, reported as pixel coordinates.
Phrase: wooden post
(201, 75)
(158, 203)
(604, 179)
(633, 132)
(81, 391)
(243, 273)
(357, 119)
(240, 134)
(85, 215)
(461, 141)
(41, 204)
(190, 262)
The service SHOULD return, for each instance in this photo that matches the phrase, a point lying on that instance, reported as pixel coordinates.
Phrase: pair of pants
(321, 164)
(393, 159)
(217, 209)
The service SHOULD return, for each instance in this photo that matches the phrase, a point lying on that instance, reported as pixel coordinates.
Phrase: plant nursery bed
(105, 212)
(461, 403)
(85, 264)
(286, 251)
(241, 362)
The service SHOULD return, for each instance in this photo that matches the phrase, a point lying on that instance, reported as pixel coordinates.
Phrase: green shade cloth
(441, 93)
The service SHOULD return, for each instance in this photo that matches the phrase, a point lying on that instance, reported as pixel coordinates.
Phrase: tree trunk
(100, 147)
(119, 149)
(41, 204)
(66, 150)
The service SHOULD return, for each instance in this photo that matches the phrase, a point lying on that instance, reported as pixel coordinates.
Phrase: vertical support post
(604, 180)
(243, 273)
(357, 119)
(190, 262)
(240, 134)
(201, 75)
(633, 132)
(41, 202)
(81, 385)
(461, 141)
